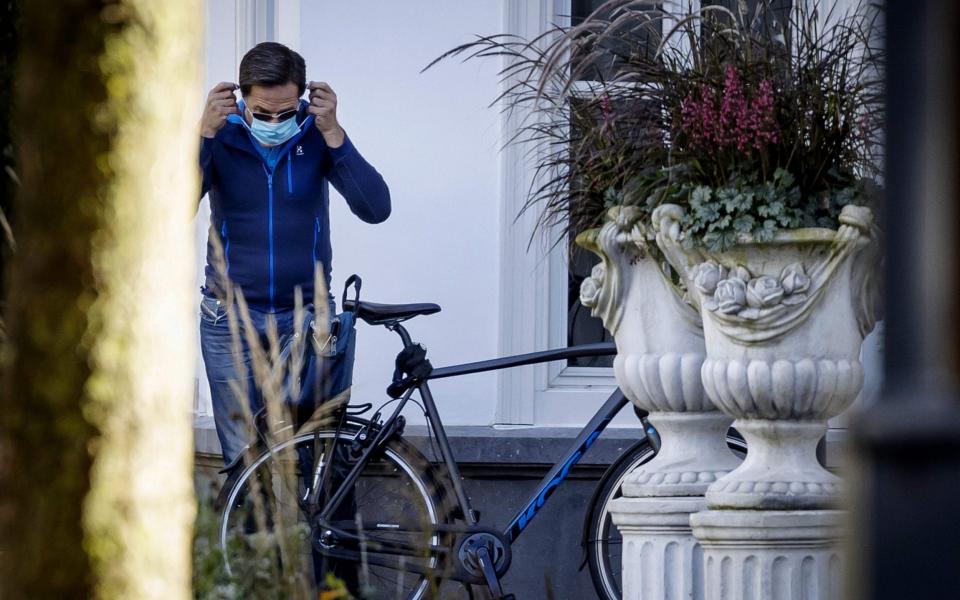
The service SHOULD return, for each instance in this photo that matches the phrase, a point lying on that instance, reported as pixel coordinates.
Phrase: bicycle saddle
(378, 314)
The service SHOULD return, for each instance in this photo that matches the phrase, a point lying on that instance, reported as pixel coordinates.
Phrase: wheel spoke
(390, 490)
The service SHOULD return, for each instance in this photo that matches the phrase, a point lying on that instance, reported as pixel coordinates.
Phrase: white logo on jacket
(299, 150)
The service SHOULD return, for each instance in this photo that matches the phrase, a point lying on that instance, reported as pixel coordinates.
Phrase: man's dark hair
(269, 64)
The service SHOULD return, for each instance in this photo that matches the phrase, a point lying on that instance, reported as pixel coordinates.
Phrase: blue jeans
(216, 346)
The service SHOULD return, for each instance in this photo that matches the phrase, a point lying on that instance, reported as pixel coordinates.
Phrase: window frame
(534, 276)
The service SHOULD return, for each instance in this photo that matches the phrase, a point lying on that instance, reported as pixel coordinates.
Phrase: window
(582, 328)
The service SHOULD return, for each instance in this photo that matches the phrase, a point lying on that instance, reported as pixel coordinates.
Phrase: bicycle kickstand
(490, 574)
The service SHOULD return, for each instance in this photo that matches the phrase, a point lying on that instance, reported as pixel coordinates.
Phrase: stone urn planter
(660, 351)
(783, 323)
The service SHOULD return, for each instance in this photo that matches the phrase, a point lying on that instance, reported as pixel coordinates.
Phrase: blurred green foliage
(255, 575)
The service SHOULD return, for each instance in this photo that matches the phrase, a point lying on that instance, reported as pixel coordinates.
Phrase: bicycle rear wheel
(604, 543)
(395, 503)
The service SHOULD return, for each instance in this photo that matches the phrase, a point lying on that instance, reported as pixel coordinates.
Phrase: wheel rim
(371, 575)
(608, 543)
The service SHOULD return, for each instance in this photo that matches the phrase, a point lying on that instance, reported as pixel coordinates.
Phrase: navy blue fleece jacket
(274, 222)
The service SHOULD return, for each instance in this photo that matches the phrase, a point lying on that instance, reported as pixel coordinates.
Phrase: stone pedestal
(770, 555)
(661, 558)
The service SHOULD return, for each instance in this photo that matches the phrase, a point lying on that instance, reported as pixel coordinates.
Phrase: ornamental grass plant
(753, 119)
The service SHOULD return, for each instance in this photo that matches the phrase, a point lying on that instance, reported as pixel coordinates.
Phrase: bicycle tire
(398, 482)
(602, 539)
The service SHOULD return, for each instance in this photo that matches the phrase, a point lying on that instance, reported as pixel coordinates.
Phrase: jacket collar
(236, 132)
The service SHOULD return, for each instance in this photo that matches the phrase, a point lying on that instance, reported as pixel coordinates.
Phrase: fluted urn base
(780, 472)
(693, 455)
(773, 555)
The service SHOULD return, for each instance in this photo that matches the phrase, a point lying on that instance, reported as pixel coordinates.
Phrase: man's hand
(220, 104)
(323, 105)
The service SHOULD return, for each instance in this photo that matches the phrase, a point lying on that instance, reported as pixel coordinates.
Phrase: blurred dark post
(9, 15)
(906, 504)
(96, 370)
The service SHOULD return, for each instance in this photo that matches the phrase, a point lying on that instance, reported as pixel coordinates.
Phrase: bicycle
(364, 495)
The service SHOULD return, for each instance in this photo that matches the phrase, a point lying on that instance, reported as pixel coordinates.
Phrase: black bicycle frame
(550, 482)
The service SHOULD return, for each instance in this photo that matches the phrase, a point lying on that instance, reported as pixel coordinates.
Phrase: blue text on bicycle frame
(528, 513)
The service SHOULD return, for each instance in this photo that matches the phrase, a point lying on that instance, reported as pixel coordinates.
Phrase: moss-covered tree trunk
(8, 45)
(96, 450)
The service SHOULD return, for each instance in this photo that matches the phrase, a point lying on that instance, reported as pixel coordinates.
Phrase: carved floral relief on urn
(783, 322)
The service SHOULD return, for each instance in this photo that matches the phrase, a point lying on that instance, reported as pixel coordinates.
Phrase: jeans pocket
(211, 310)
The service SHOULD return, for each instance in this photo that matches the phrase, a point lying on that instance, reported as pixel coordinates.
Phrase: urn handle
(602, 292)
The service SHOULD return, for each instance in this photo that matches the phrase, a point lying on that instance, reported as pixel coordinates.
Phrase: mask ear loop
(243, 114)
(301, 104)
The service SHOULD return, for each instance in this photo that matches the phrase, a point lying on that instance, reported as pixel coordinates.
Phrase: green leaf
(743, 224)
(721, 223)
(718, 241)
(828, 222)
(843, 197)
(766, 192)
(783, 178)
(708, 212)
(766, 231)
(691, 224)
(774, 208)
(727, 240)
(611, 197)
(728, 197)
(700, 196)
(713, 241)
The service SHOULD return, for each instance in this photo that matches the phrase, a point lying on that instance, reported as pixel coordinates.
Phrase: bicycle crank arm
(489, 573)
(345, 539)
(404, 562)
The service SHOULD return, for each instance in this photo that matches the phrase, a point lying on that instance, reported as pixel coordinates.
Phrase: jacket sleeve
(360, 184)
(206, 168)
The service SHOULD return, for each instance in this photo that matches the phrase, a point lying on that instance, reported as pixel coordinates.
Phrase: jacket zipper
(270, 233)
(289, 173)
(226, 245)
(316, 235)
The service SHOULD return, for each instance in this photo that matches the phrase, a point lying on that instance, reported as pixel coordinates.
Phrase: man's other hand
(221, 103)
(323, 105)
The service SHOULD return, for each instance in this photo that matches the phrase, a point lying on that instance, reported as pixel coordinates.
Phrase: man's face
(271, 100)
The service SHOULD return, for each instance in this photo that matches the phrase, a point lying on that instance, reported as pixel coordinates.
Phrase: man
(266, 164)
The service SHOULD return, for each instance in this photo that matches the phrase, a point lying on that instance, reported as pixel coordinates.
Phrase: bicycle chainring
(468, 553)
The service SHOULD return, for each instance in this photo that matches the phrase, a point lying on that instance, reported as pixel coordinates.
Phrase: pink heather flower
(699, 119)
(733, 110)
(605, 109)
(741, 122)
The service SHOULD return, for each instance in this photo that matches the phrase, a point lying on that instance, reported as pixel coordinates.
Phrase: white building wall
(436, 143)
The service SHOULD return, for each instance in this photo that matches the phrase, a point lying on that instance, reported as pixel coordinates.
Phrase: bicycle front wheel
(393, 511)
(603, 539)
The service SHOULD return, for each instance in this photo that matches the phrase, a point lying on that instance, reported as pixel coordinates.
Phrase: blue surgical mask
(274, 134)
